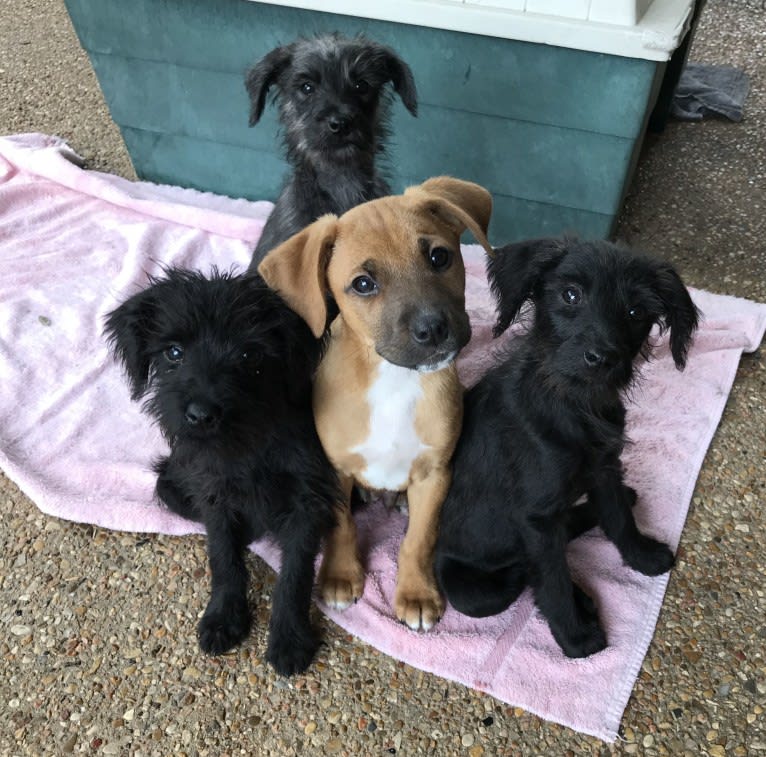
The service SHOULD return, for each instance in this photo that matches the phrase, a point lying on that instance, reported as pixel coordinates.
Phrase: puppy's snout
(337, 124)
(429, 329)
(201, 414)
(594, 358)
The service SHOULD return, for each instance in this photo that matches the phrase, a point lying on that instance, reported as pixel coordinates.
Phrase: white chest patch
(392, 444)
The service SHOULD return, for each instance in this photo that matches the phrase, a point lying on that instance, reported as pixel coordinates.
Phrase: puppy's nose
(201, 414)
(593, 358)
(429, 329)
(337, 125)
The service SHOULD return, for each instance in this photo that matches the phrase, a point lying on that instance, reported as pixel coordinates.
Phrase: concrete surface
(97, 628)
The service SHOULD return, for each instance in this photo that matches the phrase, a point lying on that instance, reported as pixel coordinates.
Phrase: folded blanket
(73, 244)
(706, 90)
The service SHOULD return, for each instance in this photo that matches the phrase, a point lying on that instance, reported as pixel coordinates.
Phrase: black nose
(429, 329)
(593, 359)
(337, 125)
(200, 414)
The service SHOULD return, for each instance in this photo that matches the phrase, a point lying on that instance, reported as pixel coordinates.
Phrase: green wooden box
(552, 131)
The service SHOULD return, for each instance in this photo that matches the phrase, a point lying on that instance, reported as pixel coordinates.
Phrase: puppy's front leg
(226, 621)
(341, 576)
(614, 501)
(417, 601)
(570, 612)
(292, 640)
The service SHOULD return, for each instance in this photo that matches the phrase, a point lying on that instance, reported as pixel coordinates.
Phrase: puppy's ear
(458, 204)
(400, 75)
(297, 271)
(515, 270)
(262, 76)
(127, 330)
(680, 314)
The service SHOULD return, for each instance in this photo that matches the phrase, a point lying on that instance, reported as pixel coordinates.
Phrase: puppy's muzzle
(338, 125)
(429, 329)
(598, 357)
(425, 339)
(202, 415)
(594, 358)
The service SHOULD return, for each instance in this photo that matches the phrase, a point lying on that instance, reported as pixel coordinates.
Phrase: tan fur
(387, 234)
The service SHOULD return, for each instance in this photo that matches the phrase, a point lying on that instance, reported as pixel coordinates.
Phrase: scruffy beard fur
(547, 426)
(334, 104)
(225, 368)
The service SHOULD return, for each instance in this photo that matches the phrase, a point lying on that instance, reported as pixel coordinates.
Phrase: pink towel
(73, 244)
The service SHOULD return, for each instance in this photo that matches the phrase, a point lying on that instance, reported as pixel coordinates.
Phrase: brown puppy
(387, 401)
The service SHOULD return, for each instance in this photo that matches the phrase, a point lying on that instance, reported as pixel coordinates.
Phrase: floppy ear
(680, 314)
(262, 76)
(458, 204)
(515, 270)
(127, 330)
(297, 270)
(400, 75)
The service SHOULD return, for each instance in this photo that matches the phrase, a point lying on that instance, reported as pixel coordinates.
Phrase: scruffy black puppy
(227, 368)
(333, 107)
(547, 425)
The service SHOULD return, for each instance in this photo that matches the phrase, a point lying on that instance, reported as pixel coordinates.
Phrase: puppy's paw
(585, 637)
(223, 627)
(649, 556)
(419, 607)
(341, 586)
(582, 641)
(290, 654)
(396, 501)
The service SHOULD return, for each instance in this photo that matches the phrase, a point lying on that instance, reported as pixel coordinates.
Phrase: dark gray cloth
(705, 90)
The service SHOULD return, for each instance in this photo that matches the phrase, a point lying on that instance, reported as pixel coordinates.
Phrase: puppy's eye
(440, 258)
(572, 295)
(364, 285)
(637, 312)
(361, 86)
(307, 88)
(175, 353)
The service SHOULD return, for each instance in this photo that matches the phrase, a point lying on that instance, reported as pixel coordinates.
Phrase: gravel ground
(97, 628)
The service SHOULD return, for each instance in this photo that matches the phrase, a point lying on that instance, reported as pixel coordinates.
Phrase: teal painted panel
(548, 164)
(507, 78)
(157, 96)
(240, 172)
(207, 166)
(514, 219)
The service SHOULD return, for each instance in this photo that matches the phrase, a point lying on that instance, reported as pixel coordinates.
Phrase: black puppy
(227, 367)
(333, 107)
(547, 426)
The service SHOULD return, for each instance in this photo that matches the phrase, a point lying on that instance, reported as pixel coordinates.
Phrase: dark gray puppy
(333, 107)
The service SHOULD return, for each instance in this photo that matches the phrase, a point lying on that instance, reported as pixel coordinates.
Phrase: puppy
(227, 368)
(333, 107)
(547, 426)
(387, 400)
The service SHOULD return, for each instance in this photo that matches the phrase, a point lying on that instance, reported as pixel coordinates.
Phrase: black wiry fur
(547, 425)
(226, 368)
(333, 134)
